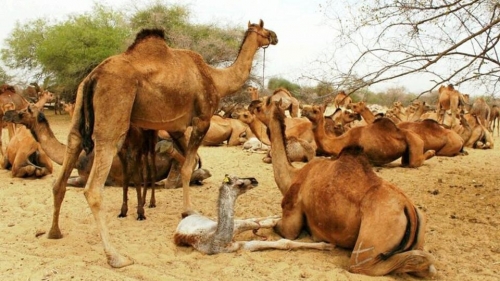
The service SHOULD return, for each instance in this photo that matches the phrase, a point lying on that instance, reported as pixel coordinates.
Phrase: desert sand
(459, 195)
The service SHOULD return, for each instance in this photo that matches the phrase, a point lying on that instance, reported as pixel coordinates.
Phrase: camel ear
(261, 23)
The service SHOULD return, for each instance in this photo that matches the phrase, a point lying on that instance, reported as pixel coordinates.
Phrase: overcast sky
(302, 33)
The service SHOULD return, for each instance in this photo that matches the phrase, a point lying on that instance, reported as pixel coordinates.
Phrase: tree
(275, 83)
(4, 78)
(442, 41)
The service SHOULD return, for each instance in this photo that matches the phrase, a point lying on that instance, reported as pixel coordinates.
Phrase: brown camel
(449, 99)
(301, 146)
(383, 141)
(474, 134)
(345, 203)
(9, 97)
(444, 141)
(151, 86)
(289, 103)
(213, 237)
(232, 131)
(36, 122)
(495, 119)
(254, 93)
(25, 157)
(482, 110)
(341, 100)
(69, 108)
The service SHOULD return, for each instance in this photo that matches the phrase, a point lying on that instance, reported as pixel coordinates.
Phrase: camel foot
(119, 261)
(55, 233)
(141, 217)
(122, 215)
(152, 206)
(76, 182)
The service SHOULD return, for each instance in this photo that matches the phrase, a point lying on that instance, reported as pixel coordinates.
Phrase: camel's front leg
(103, 157)
(200, 128)
(255, 224)
(59, 189)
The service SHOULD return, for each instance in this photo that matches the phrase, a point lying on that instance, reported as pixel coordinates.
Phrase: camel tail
(410, 238)
(86, 126)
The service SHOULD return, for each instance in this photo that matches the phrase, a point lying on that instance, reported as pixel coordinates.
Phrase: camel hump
(281, 89)
(353, 150)
(145, 33)
(450, 87)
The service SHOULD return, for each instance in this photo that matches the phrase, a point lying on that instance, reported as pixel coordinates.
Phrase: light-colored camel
(474, 134)
(449, 99)
(69, 108)
(39, 126)
(213, 237)
(482, 110)
(341, 100)
(254, 93)
(383, 141)
(416, 109)
(25, 157)
(345, 203)
(301, 146)
(151, 86)
(253, 144)
(340, 121)
(495, 119)
(9, 98)
(44, 97)
(444, 142)
(288, 102)
(232, 131)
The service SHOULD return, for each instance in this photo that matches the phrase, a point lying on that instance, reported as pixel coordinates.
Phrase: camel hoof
(141, 217)
(55, 234)
(122, 215)
(119, 261)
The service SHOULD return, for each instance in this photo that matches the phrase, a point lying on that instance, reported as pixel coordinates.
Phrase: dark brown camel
(345, 203)
(151, 86)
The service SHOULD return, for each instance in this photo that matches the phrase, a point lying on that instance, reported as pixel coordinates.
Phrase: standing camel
(449, 99)
(213, 237)
(341, 100)
(345, 203)
(482, 110)
(150, 86)
(495, 119)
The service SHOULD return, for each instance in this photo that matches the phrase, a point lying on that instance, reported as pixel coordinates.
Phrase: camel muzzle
(253, 181)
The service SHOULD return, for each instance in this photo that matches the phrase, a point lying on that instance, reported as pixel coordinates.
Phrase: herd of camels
(163, 114)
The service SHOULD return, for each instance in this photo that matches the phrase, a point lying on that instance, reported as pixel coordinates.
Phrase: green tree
(275, 83)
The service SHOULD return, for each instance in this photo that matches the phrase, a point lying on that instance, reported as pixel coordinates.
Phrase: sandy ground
(460, 195)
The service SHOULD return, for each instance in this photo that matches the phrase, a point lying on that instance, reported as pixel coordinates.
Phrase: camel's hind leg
(416, 154)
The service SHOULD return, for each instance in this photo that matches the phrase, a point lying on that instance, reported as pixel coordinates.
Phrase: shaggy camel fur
(213, 237)
(301, 146)
(151, 86)
(382, 141)
(232, 131)
(25, 157)
(345, 203)
(36, 122)
(449, 99)
(9, 99)
(288, 102)
(341, 100)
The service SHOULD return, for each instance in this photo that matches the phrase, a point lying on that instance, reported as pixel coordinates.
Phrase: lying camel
(8, 98)
(213, 237)
(444, 141)
(345, 203)
(474, 134)
(233, 132)
(39, 126)
(382, 141)
(25, 157)
(301, 146)
(341, 100)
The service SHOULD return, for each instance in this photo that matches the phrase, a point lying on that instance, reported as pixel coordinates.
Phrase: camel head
(27, 117)
(266, 37)
(238, 185)
(357, 107)
(244, 115)
(314, 112)
(46, 94)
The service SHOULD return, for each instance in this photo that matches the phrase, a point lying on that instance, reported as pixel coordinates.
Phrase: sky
(303, 36)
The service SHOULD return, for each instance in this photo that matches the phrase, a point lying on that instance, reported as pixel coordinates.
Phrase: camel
(340, 121)
(232, 131)
(69, 108)
(25, 157)
(474, 134)
(345, 203)
(253, 144)
(482, 110)
(9, 97)
(43, 98)
(341, 100)
(289, 103)
(301, 146)
(495, 119)
(449, 99)
(38, 124)
(151, 86)
(444, 142)
(254, 93)
(213, 237)
(416, 109)
(382, 141)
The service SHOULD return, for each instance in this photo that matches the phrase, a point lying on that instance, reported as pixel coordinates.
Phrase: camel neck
(229, 80)
(326, 142)
(225, 219)
(45, 136)
(367, 115)
(259, 129)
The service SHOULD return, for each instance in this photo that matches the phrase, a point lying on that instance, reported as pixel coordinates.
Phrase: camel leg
(59, 189)
(103, 157)
(254, 224)
(416, 156)
(292, 220)
(200, 128)
(124, 209)
(282, 244)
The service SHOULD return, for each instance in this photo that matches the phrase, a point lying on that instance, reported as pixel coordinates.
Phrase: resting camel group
(163, 114)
